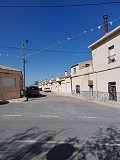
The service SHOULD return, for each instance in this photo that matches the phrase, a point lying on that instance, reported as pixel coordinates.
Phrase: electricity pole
(24, 62)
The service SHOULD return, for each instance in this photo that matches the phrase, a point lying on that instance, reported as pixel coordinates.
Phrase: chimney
(66, 74)
(105, 17)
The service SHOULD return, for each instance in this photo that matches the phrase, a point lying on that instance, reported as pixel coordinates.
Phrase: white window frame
(74, 71)
(111, 54)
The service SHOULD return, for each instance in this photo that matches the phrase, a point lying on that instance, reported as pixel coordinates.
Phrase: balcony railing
(111, 58)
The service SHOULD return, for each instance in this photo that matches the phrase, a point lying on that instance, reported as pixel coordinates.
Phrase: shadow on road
(61, 152)
(104, 145)
(4, 102)
(30, 98)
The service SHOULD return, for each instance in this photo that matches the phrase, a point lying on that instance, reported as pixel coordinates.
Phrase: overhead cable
(59, 6)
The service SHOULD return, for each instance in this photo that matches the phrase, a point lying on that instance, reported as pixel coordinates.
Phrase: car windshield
(33, 88)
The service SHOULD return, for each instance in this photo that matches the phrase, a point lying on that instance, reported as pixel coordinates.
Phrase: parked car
(33, 91)
(47, 89)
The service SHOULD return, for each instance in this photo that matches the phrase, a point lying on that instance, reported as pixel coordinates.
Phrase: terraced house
(99, 78)
(82, 79)
(10, 83)
(106, 66)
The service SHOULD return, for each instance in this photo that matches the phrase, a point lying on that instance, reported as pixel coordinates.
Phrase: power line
(52, 51)
(71, 37)
(52, 62)
(39, 61)
(58, 6)
(61, 42)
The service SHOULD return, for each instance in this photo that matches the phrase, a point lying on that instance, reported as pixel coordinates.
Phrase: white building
(106, 66)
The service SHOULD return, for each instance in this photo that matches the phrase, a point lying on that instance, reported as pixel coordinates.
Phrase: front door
(112, 91)
(78, 89)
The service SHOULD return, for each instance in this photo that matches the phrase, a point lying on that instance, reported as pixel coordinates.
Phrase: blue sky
(45, 27)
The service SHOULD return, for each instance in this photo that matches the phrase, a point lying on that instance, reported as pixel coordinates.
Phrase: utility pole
(24, 62)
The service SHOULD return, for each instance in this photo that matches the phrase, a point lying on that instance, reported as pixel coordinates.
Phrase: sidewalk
(16, 100)
(106, 103)
(100, 102)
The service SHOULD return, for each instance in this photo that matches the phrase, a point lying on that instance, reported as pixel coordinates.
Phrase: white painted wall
(100, 54)
(103, 74)
(63, 89)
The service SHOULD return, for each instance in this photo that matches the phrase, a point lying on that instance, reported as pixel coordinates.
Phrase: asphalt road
(55, 127)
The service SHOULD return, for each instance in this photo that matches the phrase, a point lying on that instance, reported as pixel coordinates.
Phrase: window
(74, 71)
(9, 82)
(87, 65)
(111, 54)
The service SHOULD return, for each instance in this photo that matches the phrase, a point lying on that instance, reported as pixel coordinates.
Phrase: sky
(58, 37)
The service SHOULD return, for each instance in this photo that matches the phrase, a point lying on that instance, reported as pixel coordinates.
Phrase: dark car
(33, 91)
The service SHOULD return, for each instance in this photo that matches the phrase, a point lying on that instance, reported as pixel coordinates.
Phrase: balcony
(111, 58)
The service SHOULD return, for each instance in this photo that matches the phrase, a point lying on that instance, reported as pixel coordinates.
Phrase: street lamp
(24, 62)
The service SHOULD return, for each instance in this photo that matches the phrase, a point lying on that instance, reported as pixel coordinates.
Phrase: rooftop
(9, 69)
(105, 37)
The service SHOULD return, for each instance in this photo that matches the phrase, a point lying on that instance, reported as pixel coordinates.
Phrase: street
(51, 125)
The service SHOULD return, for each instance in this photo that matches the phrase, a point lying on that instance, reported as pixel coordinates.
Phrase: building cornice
(116, 30)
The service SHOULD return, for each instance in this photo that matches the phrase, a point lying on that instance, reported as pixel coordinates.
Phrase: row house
(49, 84)
(64, 83)
(10, 83)
(106, 66)
(82, 78)
(99, 78)
(60, 84)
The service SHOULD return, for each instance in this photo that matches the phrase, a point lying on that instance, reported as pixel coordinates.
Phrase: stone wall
(102, 96)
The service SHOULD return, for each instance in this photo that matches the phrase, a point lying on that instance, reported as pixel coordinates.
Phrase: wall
(105, 72)
(10, 92)
(100, 53)
(82, 78)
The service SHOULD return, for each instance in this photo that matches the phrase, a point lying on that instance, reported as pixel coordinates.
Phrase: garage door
(68, 87)
(63, 87)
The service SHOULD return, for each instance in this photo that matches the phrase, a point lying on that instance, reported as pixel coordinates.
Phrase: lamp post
(24, 62)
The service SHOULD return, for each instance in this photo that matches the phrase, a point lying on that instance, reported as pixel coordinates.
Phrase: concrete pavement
(34, 129)
(107, 103)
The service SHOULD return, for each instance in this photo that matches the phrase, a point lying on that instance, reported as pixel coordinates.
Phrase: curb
(17, 100)
(109, 104)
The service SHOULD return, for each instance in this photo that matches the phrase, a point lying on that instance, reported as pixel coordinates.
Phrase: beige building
(106, 66)
(99, 78)
(82, 79)
(10, 83)
(52, 84)
(64, 83)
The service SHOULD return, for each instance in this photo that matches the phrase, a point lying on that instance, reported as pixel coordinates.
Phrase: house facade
(98, 78)
(64, 83)
(10, 83)
(82, 79)
(106, 66)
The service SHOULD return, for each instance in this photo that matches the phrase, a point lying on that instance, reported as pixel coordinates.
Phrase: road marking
(48, 116)
(86, 117)
(113, 145)
(17, 115)
(26, 141)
